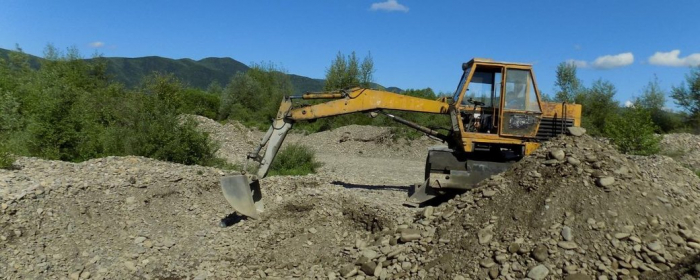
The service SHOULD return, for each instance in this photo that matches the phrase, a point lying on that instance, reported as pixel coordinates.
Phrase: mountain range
(195, 73)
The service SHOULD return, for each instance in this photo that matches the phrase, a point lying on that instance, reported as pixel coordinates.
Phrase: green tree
(254, 97)
(653, 97)
(10, 118)
(10, 121)
(367, 71)
(598, 105)
(568, 84)
(68, 109)
(632, 132)
(215, 88)
(547, 97)
(202, 103)
(687, 96)
(346, 72)
(653, 100)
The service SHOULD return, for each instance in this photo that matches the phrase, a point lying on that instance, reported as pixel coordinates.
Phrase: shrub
(69, 110)
(253, 98)
(598, 105)
(197, 102)
(6, 158)
(632, 132)
(295, 159)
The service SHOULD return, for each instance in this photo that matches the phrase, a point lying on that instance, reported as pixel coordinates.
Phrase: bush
(598, 105)
(69, 110)
(6, 158)
(197, 102)
(295, 159)
(632, 132)
(253, 98)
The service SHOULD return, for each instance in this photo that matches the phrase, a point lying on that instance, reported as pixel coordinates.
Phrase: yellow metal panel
(359, 100)
(530, 147)
(556, 110)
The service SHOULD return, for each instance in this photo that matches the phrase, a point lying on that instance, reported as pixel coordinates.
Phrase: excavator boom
(243, 191)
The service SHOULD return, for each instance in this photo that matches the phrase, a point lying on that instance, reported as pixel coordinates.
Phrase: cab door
(520, 105)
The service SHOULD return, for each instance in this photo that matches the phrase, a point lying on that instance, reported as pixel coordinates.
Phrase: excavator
(497, 117)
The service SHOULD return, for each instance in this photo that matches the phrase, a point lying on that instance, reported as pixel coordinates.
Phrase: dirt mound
(132, 217)
(234, 139)
(366, 141)
(574, 209)
(684, 148)
(237, 140)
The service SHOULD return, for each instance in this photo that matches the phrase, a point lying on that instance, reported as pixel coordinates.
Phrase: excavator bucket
(243, 191)
(243, 194)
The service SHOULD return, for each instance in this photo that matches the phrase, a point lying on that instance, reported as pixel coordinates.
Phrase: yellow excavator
(497, 117)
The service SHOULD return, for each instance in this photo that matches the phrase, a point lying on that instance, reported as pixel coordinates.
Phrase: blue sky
(415, 44)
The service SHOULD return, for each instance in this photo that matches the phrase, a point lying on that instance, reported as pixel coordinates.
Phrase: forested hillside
(193, 73)
(65, 107)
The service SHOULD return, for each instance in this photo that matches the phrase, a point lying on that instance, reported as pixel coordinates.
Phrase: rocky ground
(576, 209)
(684, 148)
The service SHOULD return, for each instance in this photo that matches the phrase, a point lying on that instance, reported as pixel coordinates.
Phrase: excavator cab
(495, 100)
(495, 114)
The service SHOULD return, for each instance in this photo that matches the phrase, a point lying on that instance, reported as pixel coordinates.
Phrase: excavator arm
(345, 102)
(243, 191)
(362, 100)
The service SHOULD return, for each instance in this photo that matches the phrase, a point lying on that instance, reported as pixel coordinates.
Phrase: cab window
(485, 86)
(480, 88)
(520, 91)
(460, 86)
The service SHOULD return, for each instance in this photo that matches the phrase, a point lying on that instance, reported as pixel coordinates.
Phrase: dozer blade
(243, 194)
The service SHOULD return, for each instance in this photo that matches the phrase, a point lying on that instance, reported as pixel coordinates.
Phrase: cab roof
(491, 62)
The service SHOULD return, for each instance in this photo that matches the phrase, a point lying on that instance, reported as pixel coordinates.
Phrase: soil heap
(684, 148)
(576, 209)
(133, 217)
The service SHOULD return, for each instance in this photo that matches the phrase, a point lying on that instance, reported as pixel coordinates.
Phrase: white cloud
(629, 104)
(389, 6)
(672, 59)
(605, 62)
(97, 44)
(613, 61)
(577, 47)
(577, 63)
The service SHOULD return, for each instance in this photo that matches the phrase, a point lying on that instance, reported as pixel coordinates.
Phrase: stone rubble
(575, 209)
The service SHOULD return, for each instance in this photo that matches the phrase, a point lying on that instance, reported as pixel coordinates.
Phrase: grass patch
(295, 159)
(675, 153)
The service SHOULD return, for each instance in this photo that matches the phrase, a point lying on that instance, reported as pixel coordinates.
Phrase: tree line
(71, 109)
(634, 128)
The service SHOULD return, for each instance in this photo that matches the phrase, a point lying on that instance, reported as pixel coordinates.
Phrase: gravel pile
(684, 148)
(235, 141)
(133, 217)
(576, 209)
